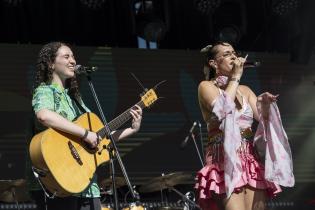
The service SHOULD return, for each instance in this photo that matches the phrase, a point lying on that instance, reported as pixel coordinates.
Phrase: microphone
(79, 69)
(183, 144)
(251, 64)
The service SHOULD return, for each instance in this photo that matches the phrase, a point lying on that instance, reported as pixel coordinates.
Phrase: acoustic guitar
(64, 162)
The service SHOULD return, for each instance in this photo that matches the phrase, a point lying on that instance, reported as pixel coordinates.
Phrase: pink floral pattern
(225, 110)
(271, 140)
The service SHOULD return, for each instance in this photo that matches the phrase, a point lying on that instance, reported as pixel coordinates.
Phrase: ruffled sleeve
(224, 109)
(271, 141)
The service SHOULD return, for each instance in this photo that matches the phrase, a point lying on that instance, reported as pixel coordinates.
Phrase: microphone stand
(134, 194)
(197, 149)
(201, 140)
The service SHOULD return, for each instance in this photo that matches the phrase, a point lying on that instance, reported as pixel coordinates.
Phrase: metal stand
(185, 198)
(14, 197)
(197, 149)
(201, 139)
(134, 194)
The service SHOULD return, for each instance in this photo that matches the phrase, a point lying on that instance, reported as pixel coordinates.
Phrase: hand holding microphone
(238, 67)
(240, 64)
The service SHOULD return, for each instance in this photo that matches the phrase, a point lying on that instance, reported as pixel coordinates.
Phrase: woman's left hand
(267, 98)
(136, 113)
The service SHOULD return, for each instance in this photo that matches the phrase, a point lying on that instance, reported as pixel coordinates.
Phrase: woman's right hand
(238, 67)
(92, 139)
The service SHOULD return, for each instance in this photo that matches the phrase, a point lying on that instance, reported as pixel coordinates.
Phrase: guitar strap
(78, 105)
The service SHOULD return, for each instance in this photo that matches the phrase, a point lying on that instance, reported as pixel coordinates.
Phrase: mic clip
(79, 69)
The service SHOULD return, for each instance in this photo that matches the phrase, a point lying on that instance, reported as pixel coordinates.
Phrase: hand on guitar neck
(93, 138)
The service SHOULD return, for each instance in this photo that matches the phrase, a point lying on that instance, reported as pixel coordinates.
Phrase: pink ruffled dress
(232, 160)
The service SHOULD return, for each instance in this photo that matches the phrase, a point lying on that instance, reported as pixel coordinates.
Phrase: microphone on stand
(79, 69)
(251, 64)
(184, 143)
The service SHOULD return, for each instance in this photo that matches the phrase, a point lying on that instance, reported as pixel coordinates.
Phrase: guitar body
(65, 162)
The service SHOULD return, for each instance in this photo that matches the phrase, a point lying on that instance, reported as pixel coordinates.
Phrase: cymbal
(7, 184)
(107, 183)
(165, 181)
(18, 187)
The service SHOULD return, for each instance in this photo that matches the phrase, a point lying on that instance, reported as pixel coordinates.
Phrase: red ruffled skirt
(210, 179)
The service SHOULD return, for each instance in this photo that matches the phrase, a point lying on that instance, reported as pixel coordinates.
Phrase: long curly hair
(210, 52)
(46, 57)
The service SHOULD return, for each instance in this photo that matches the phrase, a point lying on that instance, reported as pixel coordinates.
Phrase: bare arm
(53, 120)
(136, 114)
(232, 88)
(207, 93)
(56, 121)
(265, 99)
(236, 75)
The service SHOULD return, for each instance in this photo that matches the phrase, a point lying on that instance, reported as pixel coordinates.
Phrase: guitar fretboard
(119, 120)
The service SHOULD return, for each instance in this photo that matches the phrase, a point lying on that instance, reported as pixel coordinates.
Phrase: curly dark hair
(210, 52)
(46, 57)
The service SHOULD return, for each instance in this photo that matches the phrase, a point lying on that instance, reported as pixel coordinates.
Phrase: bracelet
(235, 79)
(85, 134)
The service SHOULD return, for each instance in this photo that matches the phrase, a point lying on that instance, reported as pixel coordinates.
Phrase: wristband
(85, 134)
(235, 79)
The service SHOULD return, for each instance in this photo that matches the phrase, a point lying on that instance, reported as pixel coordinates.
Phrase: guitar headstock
(149, 98)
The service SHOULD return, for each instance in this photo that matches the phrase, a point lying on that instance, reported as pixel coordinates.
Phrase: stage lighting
(284, 7)
(154, 31)
(13, 2)
(207, 6)
(229, 33)
(150, 20)
(229, 21)
(93, 4)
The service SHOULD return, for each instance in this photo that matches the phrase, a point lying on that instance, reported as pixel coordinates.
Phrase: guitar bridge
(75, 153)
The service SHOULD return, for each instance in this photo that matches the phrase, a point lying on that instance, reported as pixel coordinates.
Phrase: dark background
(265, 25)
(105, 35)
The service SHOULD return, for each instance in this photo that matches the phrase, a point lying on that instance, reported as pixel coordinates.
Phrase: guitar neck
(118, 121)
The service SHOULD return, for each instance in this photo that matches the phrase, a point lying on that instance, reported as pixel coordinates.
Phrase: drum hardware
(135, 206)
(188, 199)
(166, 181)
(187, 205)
(107, 183)
(153, 205)
(13, 191)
